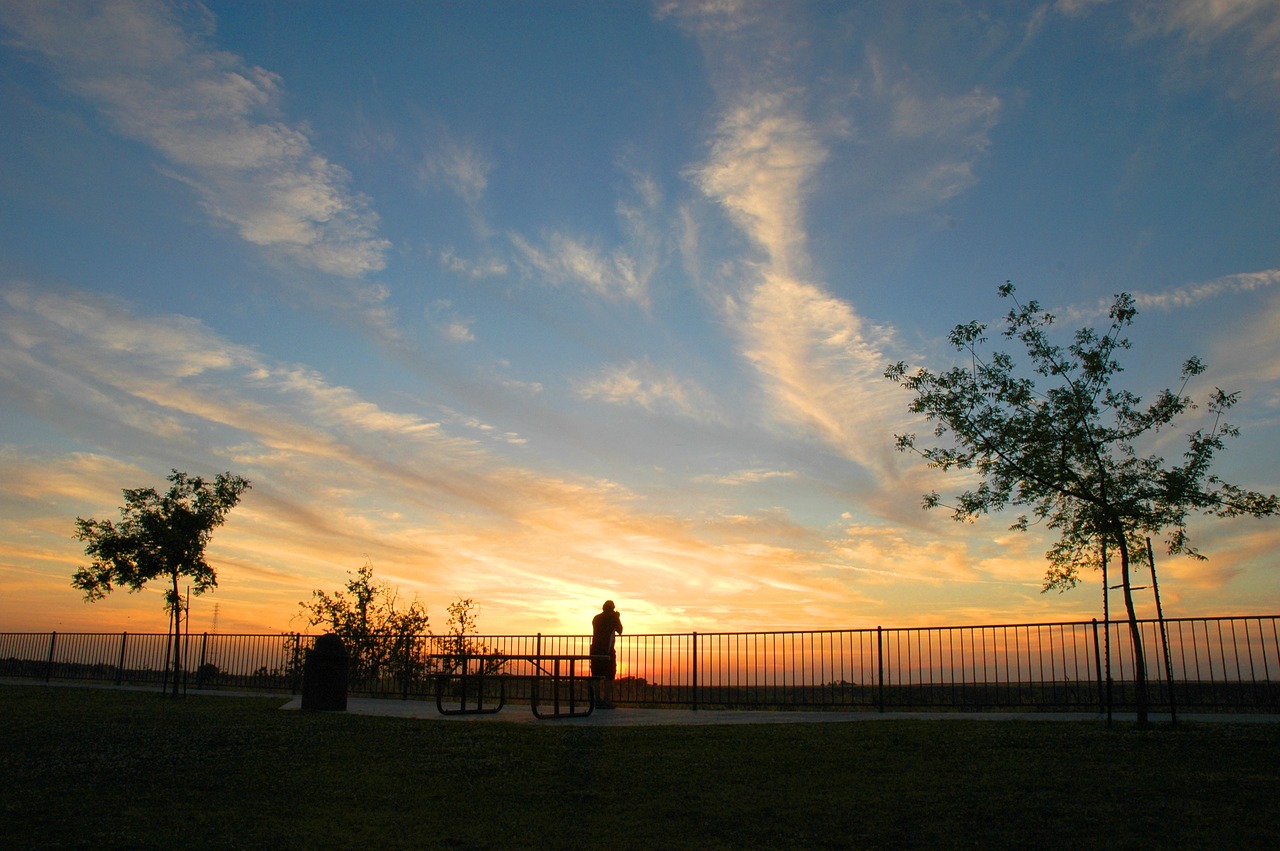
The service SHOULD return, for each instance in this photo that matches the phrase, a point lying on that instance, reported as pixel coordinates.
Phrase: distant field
(102, 768)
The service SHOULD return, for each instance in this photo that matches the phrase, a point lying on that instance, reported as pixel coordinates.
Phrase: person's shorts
(604, 667)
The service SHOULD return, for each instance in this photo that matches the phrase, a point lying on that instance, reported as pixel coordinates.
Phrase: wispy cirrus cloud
(98, 355)
(213, 118)
(450, 326)
(1231, 45)
(644, 385)
(339, 477)
(619, 273)
(1203, 21)
(935, 138)
(763, 156)
(565, 260)
(484, 267)
(750, 477)
(463, 168)
(1246, 354)
(1193, 293)
(822, 368)
(819, 361)
(1184, 296)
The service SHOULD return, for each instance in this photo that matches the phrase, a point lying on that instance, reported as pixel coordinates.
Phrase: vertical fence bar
(204, 654)
(1275, 642)
(1182, 650)
(1253, 673)
(695, 670)
(295, 665)
(1235, 644)
(48, 668)
(1164, 633)
(406, 666)
(1106, 650)
(880, 668)
(124, 637)
(1097, 664)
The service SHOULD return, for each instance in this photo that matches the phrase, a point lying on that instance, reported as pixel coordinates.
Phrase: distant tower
(215, 617)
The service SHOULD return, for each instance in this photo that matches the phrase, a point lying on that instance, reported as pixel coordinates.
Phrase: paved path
(636, 717)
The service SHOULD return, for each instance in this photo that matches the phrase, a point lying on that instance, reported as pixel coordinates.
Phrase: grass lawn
(101, 768)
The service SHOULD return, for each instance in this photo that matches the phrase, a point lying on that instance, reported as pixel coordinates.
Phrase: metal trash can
(324, 675)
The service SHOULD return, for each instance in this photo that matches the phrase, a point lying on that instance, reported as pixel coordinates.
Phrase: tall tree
(1057, 437)
(158, 537)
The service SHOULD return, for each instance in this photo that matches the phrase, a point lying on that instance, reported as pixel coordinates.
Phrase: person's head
(608, 606)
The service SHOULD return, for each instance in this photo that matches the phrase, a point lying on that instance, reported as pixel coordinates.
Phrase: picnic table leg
(559, 701)
(464, 676)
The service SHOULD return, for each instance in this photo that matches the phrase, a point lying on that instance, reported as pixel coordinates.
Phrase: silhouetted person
(604, 627)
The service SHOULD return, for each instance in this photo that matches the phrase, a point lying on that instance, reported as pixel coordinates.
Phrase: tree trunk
(176, 601)
(1135, 632)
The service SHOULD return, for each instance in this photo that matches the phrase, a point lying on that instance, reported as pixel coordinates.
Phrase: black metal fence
(1222, 663)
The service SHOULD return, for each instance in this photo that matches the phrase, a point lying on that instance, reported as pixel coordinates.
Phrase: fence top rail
(1204, 618)
(119, 633)
(944, 628)
(578, 637)
(519, 657)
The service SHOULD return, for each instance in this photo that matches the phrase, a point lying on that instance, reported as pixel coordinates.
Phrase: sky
(540, 304)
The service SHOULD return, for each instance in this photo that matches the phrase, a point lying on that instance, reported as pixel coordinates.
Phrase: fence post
(406, 667)
(296, 665)
(695, 671)
(168, 648)
(1106, 625)
(48, 667)
(1164, 635)
(1097, 666)
(186, 644)
(880, 668)
(124, 636)
(204, 648)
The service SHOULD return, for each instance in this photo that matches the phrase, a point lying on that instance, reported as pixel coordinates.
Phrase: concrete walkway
(637, 717)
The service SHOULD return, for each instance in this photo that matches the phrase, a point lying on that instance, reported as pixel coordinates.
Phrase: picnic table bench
(562, 674)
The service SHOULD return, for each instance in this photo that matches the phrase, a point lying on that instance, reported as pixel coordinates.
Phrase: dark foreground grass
(100, 768)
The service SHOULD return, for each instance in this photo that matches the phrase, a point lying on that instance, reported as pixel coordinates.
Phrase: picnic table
(561, 675)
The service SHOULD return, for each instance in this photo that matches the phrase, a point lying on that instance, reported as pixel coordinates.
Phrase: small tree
(158, 537)
(460, 639)
(1069, 450)
(367, 617)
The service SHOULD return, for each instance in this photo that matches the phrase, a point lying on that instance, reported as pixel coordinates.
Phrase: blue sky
(547, 303)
